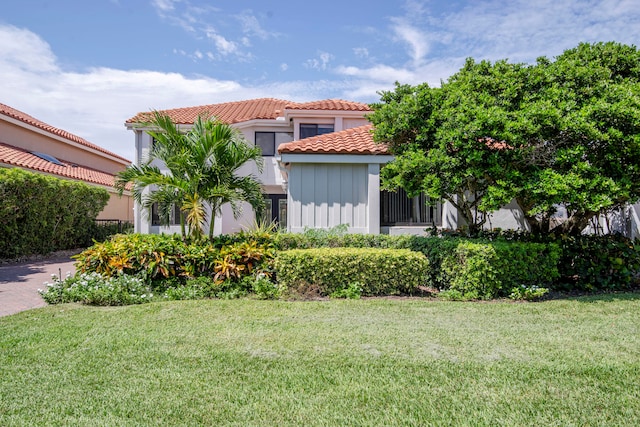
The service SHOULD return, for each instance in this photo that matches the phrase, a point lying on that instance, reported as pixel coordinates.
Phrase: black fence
(115, 226)
(396, 209)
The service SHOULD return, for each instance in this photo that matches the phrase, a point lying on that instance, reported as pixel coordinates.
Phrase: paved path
(19, 283)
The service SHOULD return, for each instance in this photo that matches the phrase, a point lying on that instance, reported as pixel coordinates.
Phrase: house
(322, 169)
(30, 144)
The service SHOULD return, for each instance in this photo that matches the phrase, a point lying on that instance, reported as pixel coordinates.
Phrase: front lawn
(368, 362)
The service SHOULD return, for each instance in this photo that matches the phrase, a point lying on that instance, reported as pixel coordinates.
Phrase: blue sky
(87, 66)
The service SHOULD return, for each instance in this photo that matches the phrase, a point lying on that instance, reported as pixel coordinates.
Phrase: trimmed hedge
(41, 214)
(378, 271)
(486, 270)
(585, 263)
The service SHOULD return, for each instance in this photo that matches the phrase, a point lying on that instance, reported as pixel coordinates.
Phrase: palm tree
(202, 176)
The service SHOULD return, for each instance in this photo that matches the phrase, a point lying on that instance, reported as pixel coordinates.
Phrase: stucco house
(30, 144)
(321, 169)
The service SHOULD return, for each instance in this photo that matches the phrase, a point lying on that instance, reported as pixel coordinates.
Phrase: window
(396, 208)
(309, 130)
(275, 210)
(48, 158)
(174, 216)
(269, 141)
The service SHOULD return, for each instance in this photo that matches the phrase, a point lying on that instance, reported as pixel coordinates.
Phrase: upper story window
(308, 130)
(269, 141)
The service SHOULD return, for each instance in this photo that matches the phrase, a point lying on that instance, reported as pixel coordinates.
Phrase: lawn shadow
(631, 295)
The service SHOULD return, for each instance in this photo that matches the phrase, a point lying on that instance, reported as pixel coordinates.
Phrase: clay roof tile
(25, 118)
(358, 140)
(18, 157)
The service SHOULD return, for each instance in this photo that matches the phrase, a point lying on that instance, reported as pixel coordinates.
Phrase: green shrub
(380, 271)
(105, 230)
(331, 238)
(41, 214)
(150, 256)
(264, 288)
(191, 288)
(157, 257)
(597, 263)
(587, 262)
(485, 270)
(528, 293)
(351, 291)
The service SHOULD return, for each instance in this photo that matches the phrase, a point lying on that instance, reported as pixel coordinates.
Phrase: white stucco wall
(509, 217)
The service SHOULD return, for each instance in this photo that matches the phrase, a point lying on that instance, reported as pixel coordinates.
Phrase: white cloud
(518, 30)
(321, 62)
(95, 103)
(361, 52)
(26, 51)
(251, 26)
(522, 30)
(197, 20)
(164, 5)
(224, 46)
(414, 37)
(284, 67)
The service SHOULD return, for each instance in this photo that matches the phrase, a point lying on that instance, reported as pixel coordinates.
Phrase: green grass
(367, 362)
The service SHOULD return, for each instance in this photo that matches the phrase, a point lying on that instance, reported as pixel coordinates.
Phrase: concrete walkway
(19, 282)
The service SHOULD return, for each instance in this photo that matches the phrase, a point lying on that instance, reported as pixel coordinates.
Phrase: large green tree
(562, 133)
(199, 173)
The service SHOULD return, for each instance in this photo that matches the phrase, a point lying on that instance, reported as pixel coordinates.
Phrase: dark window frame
(271, 151)
(397, 209)
(308, 130)
(174, 218)
(276, 139)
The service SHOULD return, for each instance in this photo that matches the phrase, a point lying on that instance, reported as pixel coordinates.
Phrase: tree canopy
(199, 173)
(557, 134)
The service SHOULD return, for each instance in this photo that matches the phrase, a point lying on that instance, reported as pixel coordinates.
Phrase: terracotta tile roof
(241, 111)
(25, 118)
(24, 159)
(493, 144)
(329, 104)
(228, 112)
(358, 140)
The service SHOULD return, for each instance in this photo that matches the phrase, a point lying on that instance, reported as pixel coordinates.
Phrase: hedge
(41, 214)
(377, 271)
(486, 270)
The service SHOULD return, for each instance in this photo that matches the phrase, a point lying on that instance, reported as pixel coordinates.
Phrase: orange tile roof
(228, 112)
(15, 156)
(329, 104)
(494, 144)
(241, 111)
(25, 118)
(358, 140)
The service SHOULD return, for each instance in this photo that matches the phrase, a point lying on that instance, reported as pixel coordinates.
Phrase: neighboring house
(30, 144)
(322, 169)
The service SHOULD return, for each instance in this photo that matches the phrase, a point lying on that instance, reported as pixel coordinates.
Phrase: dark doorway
(276, 209)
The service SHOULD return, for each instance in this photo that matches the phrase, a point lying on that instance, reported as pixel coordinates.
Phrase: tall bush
(40, 214)
(486, 270)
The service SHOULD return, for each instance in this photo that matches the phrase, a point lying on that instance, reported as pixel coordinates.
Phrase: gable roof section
(329, 104)
(18, 157)
(358, 140)
(252, 109)
(29, 120)
(228, 112)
